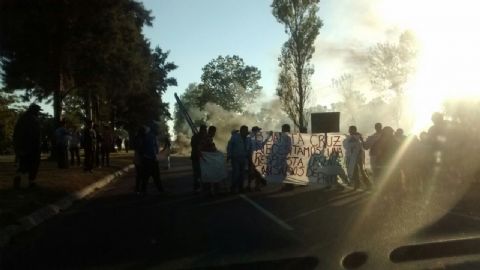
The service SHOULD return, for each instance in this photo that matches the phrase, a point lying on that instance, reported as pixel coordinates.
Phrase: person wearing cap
(26, 143)
(257, 142)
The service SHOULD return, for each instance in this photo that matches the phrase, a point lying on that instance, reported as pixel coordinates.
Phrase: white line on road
(268, 214)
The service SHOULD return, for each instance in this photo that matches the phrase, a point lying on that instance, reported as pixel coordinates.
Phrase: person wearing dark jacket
(26, 142)
(89, 143)
(61, 141)
(149, 160)
(387, 148)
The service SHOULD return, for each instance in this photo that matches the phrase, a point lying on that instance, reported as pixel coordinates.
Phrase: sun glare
(448, 60)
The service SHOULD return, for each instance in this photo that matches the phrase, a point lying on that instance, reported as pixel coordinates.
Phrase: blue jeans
(238, 173)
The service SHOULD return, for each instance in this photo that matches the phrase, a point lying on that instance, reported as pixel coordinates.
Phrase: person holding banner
(211, 162)
(284, 146)
(257, 143)
(238, 151)
(197, 138)
(355, 158)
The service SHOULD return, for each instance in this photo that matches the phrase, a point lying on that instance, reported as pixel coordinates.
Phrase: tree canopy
(89, 56)
(228, 82)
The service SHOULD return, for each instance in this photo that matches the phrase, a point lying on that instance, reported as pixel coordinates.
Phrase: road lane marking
(268, 214)
(334, 202)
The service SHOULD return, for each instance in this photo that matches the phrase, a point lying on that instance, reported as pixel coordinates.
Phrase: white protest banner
(298, 158)
(212, 165)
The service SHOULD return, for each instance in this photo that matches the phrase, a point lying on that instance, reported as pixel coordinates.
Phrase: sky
(195, 32)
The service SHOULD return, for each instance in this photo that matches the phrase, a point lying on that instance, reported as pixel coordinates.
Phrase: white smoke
(269, 117)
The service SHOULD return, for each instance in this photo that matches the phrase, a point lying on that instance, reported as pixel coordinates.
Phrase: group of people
(239, 150)
(97, 145)
(395, 156)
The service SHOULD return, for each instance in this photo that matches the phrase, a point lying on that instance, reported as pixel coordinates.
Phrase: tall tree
(390, 65)
(303, 26)
(228, 82)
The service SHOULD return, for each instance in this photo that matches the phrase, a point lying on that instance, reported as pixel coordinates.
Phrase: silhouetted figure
(388, 147)
(355, 158)
(150, 166)
(195, 156)
(45, 145)
(167, 148)
(26, 143)
(126, 143)
(106, 145)
(282, 155)
(238, 151)
(400, 136)
(118, 143)
(61, 141)
(74, 147)
(98, 145)
(89, 144)
(137, 158)
(371, 144)
(207, 145)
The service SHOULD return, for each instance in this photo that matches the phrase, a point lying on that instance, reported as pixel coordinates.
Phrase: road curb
(36, 218)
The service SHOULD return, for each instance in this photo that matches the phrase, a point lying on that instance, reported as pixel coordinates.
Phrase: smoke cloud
(269, 117)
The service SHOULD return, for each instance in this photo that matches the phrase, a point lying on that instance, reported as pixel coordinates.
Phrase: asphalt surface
(307, 228)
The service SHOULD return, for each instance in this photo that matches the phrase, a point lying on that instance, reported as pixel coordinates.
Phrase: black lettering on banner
(337, 141)
(321, 140)
(300, 139)
(301, 150)
(275, 160)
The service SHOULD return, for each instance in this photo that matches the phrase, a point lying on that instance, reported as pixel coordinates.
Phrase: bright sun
(449, 58)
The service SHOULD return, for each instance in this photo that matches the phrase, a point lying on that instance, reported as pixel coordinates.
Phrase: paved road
(308, 228)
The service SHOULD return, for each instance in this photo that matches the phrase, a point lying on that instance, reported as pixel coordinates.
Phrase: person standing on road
(74, 147)
(195, 156)
(89, 143)
(26, 143)
(106, 145)
(98, 145)
(238, 151)
(61, 141)
(149, 161)
(371, 144)
(257, 142)
(387, 148)
(167, 149)
(355, 158)
(207, 145)
(284, 146)
(137, 158)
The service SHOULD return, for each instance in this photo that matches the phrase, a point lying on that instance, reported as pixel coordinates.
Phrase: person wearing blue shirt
(238, 151)
(149, 160)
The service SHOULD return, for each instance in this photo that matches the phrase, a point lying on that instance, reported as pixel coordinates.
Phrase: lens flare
(448, 59)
